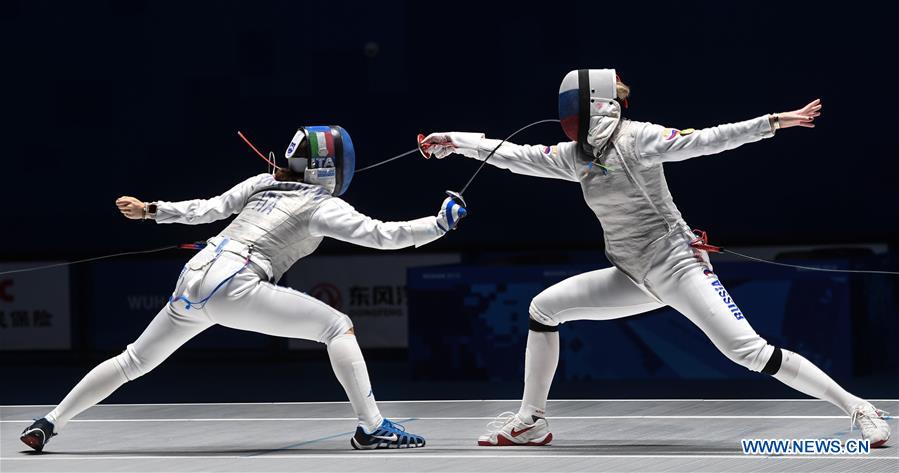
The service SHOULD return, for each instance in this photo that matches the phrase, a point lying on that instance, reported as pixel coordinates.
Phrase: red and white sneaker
(872, 424)
(508, 429)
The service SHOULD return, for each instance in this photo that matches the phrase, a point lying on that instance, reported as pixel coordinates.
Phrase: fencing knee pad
(540, 327)
(539, 321)
(774, 362)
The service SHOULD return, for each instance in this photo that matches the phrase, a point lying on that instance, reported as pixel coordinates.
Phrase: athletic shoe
(871, 423)
(38, 434)
(388, 435)
(508, 429)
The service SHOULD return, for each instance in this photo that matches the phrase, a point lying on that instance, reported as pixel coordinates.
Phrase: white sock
(803, 376)
(349, 367)
(540, 360)
(93, 388)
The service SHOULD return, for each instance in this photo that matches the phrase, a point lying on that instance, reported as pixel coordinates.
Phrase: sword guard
(423, 147)
(457, 197)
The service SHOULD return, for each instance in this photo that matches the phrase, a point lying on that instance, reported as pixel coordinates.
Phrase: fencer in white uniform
(657, 259)
(279, 221)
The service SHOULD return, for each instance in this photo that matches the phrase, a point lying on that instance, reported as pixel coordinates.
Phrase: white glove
(441, 145)
(449, 214)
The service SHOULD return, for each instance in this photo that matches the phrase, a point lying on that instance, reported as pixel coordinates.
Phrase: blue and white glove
(449, 215)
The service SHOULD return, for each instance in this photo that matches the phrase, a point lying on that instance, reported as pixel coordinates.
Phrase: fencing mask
(325, 155)
(587, 108)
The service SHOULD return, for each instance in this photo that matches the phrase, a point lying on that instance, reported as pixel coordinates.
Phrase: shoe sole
(502, 441)
(378, 446)
(33, 441)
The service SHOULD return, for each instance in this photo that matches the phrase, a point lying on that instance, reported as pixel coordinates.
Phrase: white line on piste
(435, 401)
(305, 419)
(420, 456)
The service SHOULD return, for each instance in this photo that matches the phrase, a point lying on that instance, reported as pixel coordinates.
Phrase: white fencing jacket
(285, 221)
(625, 186)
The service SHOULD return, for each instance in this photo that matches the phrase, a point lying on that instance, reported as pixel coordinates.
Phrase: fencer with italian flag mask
(657, 261)
(280, 219)
(324, 155)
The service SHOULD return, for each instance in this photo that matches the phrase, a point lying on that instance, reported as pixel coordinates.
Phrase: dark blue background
(105, 98)
(144, 98)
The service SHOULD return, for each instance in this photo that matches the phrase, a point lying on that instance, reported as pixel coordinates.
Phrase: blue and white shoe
(388, 435)
(38, 434)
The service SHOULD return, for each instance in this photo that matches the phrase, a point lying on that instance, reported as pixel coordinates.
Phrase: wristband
(148, 211)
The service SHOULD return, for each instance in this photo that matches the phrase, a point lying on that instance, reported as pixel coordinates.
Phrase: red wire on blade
(701, 242)
(244, 138)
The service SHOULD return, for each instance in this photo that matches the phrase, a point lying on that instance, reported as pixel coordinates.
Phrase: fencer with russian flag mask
(281, 218)
(657, 259)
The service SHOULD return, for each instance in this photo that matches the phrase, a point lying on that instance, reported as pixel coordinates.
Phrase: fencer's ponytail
(622, 90)
(285, 175)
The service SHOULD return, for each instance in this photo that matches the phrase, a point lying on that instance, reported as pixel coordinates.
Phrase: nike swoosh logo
(516, 433)
(392, 438)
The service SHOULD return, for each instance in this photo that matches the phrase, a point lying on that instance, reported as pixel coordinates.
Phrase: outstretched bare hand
(804, 117)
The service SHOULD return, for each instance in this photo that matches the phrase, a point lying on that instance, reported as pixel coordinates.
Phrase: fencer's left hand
(130, 207)
(803, 117)
(449, 214)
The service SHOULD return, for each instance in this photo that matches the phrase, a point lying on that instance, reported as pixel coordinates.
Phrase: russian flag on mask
(568, 112)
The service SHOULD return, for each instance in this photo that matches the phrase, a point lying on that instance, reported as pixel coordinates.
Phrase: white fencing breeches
(679, 278)
(246, 302)
(682, 278)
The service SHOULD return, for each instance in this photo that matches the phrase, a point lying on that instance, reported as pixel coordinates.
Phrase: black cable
(551, 120)
(366, 168)
(96, 258)
(810, 268)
